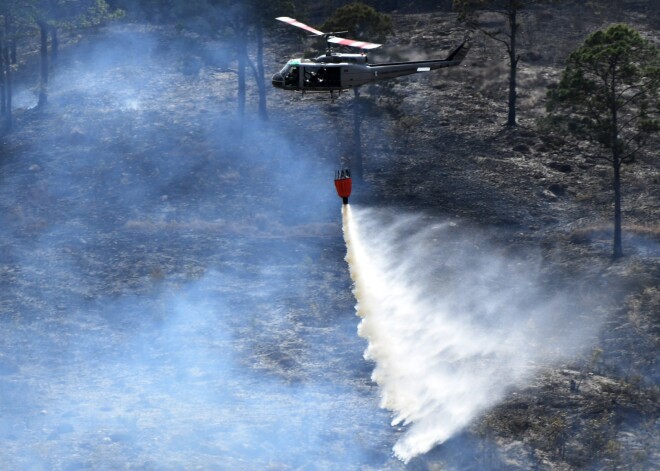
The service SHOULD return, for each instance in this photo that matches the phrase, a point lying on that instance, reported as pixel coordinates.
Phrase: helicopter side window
(291, 77)
(311, 77)
(316, 76)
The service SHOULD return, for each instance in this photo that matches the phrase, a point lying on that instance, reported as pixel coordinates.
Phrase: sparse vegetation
(433, 143)
(505, 30)
(360, 21)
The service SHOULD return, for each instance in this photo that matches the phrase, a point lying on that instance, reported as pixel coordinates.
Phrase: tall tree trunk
(10, 29)
(43, 82)
(617, 246)
(356, 164)
(8, 87)
(242, 62)
(513, 66)
(3, 96)
(261, 74)
(54, 44)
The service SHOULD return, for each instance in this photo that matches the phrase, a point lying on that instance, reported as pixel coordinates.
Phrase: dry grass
(587, 234)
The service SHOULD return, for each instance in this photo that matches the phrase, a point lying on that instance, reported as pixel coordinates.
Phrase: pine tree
(609, 94)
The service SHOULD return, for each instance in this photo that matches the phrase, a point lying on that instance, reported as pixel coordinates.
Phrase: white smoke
(451, 323)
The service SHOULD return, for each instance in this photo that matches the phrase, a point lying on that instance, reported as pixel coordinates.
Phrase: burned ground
(174, 290)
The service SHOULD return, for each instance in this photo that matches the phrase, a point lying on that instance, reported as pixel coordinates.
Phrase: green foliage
(598, 432)
(16, 17)
(609, 92)
(361, 21)
(64, 14)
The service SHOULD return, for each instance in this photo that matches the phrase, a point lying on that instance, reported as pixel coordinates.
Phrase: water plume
(451, 322)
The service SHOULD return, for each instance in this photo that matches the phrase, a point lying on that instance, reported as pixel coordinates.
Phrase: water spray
(452, 323)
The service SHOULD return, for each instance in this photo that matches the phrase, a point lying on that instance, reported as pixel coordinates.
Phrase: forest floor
(145, 229)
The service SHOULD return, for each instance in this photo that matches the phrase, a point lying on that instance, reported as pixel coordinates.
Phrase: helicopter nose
(278, 80)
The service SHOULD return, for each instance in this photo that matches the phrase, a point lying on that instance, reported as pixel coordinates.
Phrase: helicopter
(336, 72)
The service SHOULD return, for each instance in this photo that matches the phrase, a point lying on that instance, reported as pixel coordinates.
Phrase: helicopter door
(292, 78)
(332, 77)
(321, 77)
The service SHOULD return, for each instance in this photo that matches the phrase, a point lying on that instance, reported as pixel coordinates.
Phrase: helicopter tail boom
(397, 69)
(459, 53)
(454, 58)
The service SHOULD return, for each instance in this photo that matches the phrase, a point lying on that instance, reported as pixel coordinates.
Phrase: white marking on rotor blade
(423, 69)
(353, 43)
(297, 23)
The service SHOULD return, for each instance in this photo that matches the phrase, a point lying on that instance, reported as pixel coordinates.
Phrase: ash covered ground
(174, 289)
(174, 294)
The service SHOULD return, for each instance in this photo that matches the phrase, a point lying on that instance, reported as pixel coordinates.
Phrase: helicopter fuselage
(337, 72)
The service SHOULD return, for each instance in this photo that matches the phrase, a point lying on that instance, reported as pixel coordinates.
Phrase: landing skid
(321, 95)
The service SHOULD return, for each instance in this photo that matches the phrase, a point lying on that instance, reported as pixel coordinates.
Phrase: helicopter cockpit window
(290, 74)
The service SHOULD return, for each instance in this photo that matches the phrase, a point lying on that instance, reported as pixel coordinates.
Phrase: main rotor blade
(297, 23)
(332, 39)
(353, 43)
